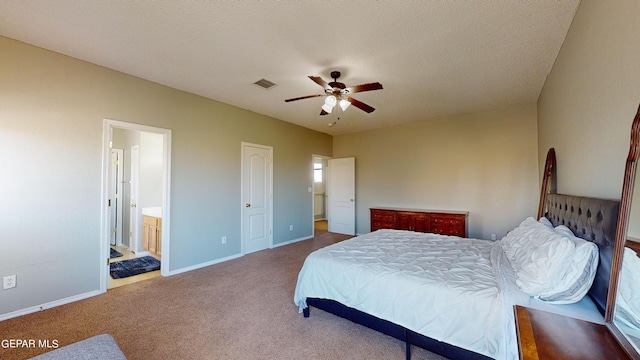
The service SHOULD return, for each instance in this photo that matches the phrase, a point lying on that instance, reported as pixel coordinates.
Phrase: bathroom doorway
(145, 191)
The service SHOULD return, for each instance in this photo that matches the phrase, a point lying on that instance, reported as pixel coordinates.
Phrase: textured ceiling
(434, 58)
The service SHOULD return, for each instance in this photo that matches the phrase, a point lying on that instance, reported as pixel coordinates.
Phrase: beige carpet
(240, 309)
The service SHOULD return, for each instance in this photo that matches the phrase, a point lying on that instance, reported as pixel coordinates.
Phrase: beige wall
(484, 163)
(51, 119)
(151, 158)
(590, 98)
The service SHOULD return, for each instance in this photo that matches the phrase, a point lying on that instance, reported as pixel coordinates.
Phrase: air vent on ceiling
(264, 83)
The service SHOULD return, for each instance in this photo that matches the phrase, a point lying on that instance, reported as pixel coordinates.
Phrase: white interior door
(257, 172)
(134, 213)
(115, 198)
(342, 196)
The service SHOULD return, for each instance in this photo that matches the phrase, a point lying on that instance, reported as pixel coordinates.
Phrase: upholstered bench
(99, 347)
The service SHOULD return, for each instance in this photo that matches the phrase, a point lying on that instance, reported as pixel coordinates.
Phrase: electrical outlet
(493, 236)
(290, 227)
(224, 240)
(8, 282)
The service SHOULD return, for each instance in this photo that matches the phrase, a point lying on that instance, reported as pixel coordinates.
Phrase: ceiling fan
(338, 93)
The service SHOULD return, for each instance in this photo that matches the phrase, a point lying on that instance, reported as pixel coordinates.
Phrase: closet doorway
(148, 192)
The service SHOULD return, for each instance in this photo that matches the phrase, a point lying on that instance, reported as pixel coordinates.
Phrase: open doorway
(319, 192)
(145, 184)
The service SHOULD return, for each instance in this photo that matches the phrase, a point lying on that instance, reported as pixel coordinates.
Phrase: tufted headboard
(594, 220)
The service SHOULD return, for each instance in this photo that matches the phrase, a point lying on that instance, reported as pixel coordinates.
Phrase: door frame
(313, 190)
(134, 211)
(243, 145)
(115, 192)
(107, 135)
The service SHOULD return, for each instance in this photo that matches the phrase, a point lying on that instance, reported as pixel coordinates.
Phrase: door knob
(134, 205)
(351, 200)
(247, 205)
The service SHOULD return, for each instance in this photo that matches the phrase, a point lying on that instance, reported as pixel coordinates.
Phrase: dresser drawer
(382, 219)
(448, 225)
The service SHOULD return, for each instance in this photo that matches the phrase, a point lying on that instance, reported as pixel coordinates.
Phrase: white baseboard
(48, 305)
(292, 241)
(199, 266)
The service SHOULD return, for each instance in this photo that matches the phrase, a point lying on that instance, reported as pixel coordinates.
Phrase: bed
(455, 296)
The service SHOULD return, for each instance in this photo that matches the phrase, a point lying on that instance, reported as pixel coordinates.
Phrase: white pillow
(578, 277)
(543, 220)
(538, 254)
(542, 270)
(518, 242)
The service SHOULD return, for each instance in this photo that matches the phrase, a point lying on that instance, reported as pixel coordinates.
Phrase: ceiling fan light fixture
(344, 104)
(330, 101)
(336, 92)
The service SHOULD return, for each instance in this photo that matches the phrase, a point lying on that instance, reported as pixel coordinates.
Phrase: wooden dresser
(433, 221)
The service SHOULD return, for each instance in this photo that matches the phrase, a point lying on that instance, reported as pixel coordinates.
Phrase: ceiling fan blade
(303, 97)
(360, 105)
(363, 87)
(318, 80)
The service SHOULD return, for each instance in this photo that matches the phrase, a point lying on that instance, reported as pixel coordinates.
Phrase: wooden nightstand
(545, 336)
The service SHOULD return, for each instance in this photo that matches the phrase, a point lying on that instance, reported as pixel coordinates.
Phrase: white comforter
(444, 287)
